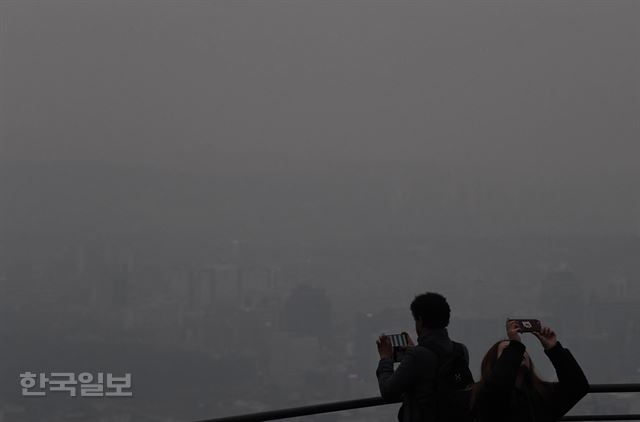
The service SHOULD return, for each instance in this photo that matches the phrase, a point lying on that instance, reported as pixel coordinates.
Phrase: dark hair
(432, 308)
(488, 363)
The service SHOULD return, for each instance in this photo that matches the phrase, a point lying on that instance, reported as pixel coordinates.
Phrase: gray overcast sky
(358, 115)
(143, 143)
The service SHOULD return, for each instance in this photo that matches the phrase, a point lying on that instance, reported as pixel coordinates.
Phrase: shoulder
(423, 359)
(422, 353)
(461, 347)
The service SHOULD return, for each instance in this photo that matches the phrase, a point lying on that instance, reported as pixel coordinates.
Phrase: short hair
(432, 308)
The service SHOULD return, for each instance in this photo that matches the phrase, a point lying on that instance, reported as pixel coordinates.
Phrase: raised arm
(392, 383)
(572, 383)
(504, 373)
(503, 376)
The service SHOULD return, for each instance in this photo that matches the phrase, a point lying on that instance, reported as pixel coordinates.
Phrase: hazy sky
(303, 116)
(287, 124)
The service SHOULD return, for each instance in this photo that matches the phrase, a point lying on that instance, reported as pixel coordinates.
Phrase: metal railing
(379, 401)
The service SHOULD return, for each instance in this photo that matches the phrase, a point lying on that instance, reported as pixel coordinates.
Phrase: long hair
(533, 381)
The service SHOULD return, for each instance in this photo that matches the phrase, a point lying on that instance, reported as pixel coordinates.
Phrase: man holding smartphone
(433, 378)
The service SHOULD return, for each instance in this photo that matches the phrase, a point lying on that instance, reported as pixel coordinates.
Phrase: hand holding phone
(513, 330)
(385, 348)
(400, 343)
(528, 325)
(547, 337)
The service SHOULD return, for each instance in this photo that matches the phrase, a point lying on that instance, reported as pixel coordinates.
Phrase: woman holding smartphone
(510, 390)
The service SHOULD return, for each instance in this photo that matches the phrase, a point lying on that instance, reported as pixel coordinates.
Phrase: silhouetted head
(430, 311)
(526, 374)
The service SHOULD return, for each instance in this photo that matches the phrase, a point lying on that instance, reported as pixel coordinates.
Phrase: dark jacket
(414, 379)
(498, 400)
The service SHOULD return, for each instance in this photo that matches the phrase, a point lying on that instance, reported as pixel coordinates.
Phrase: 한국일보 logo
(84, 384)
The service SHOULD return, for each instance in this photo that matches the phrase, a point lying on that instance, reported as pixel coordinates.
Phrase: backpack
(453, 384)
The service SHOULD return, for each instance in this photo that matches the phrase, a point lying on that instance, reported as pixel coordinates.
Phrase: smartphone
(400, 342)
(528, 325)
